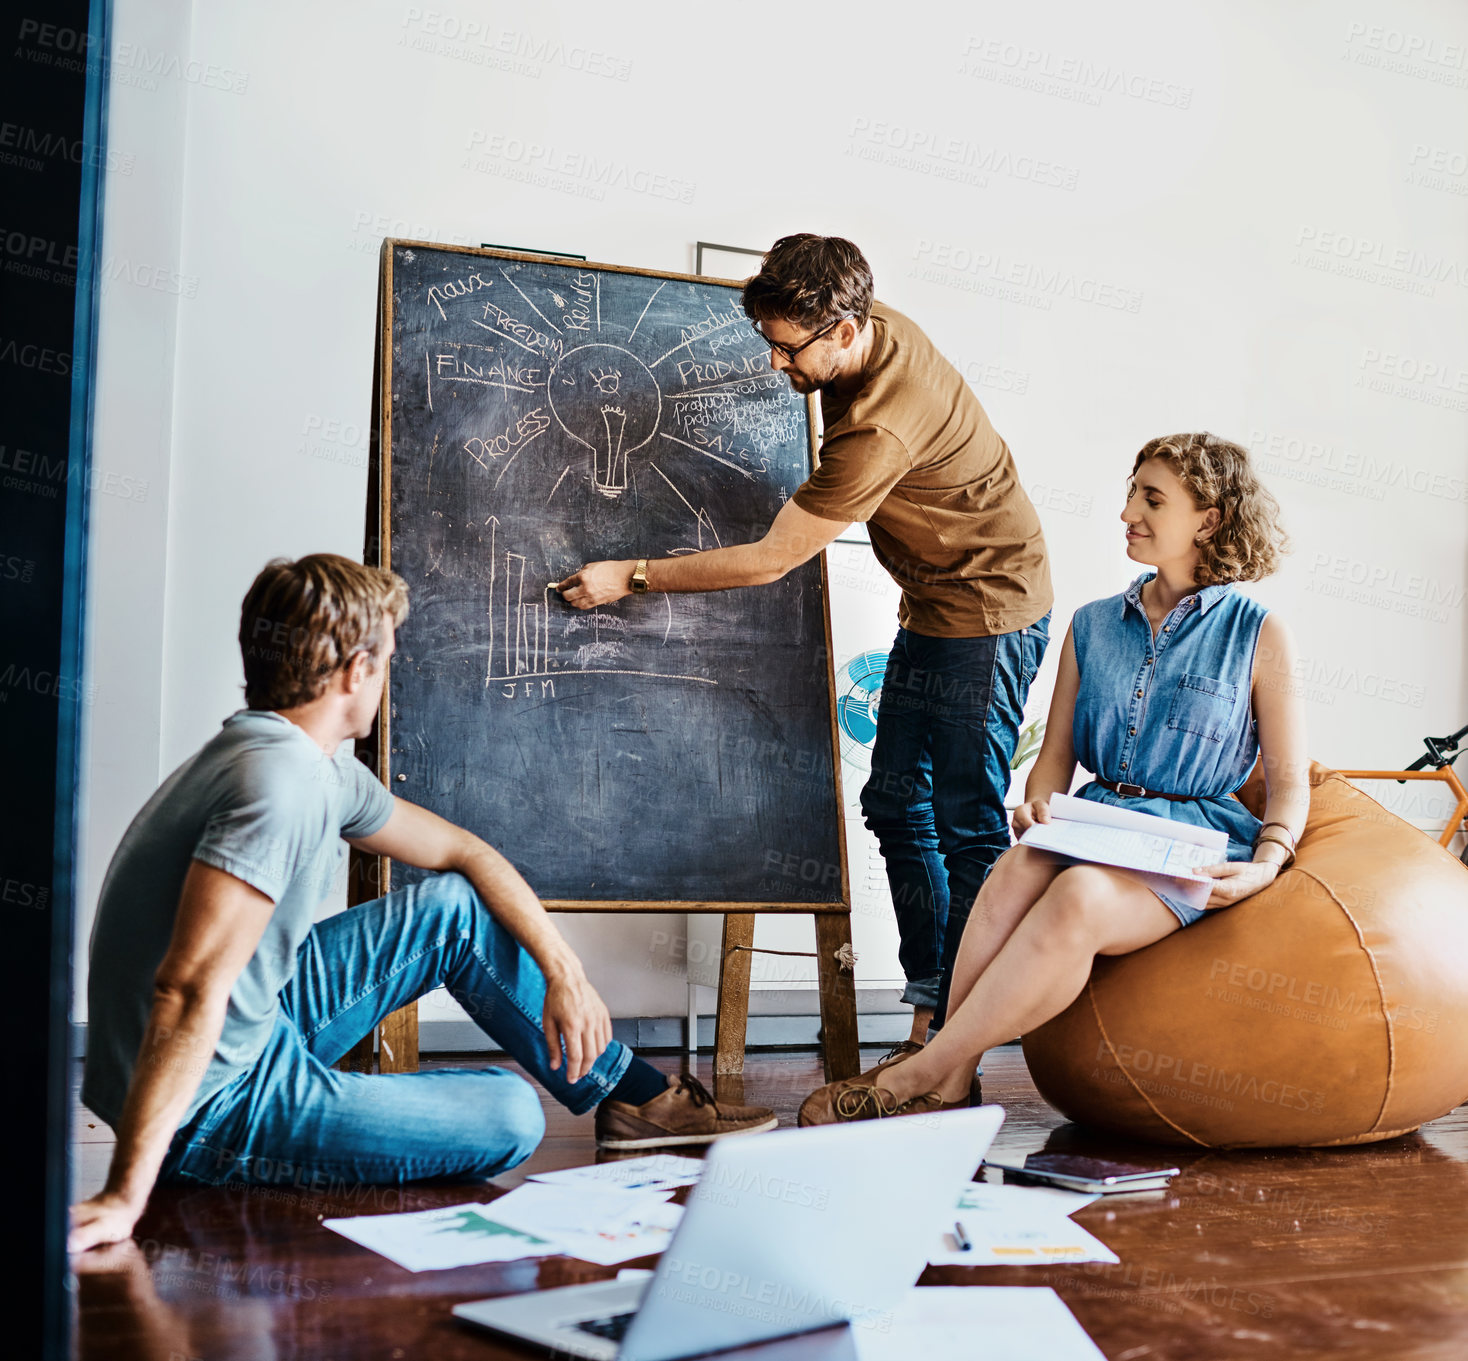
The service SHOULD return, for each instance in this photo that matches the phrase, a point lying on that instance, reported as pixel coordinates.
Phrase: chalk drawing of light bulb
(606, 398)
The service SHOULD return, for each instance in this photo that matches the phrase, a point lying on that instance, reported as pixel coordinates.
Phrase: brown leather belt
(1135, 791)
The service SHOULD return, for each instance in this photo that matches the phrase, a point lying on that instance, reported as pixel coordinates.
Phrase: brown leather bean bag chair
(1331, 1008)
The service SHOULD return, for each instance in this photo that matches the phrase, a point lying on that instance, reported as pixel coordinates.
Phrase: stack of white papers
(602, 1224)
(1019, 1226)
(1155, 848)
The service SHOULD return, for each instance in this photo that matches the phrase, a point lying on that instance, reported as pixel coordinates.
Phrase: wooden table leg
(838, 995)
(732, 1022)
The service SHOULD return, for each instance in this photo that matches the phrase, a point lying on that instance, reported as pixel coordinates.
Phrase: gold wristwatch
(639, 576)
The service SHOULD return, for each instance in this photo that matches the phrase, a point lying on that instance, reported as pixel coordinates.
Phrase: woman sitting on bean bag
(1169, 692)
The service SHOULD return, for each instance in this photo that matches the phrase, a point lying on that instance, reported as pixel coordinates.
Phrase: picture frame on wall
(725, 262)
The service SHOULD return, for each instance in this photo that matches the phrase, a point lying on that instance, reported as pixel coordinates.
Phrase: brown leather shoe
(822, 1100)
(684, 1114)
(860, 1098)
(903, 1050)
(907, 1048)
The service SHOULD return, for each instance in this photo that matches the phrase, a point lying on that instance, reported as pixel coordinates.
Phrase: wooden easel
(397, 1037)
(836, 981)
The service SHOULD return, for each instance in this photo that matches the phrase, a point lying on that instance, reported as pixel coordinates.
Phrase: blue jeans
(291, 1118)
(947, 726)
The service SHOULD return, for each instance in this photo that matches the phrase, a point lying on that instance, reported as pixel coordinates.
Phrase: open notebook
(1155, 848)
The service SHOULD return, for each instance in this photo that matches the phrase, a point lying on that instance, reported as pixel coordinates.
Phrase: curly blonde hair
(1249, 540)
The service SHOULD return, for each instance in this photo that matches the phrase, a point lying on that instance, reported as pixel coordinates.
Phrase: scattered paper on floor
(433, 1240)
(992, 1322)
(602, 1224)
(655, 1172)
(1018, 1226)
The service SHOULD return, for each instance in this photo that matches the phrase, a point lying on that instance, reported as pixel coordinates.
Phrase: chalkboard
(667, 751)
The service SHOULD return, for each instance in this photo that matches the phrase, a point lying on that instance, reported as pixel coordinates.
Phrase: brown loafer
(860, 1098)
(684, 1114)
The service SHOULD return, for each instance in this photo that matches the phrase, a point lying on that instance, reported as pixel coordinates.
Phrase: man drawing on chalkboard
(909, 450)
(217, 1008)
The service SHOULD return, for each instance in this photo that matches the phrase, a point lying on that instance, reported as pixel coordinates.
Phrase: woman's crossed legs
(1037, 926)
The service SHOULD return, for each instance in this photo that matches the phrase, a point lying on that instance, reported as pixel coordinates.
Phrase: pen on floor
(960, 1236)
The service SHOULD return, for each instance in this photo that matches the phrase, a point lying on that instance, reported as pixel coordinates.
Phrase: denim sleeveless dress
(1171, 713)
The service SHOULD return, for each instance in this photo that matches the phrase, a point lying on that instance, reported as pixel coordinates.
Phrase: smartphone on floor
(1076, 1172)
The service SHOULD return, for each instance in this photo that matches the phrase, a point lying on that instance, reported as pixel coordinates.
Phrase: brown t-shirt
(914, 455)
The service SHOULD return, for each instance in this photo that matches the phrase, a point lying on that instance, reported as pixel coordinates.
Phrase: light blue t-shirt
(264, 803)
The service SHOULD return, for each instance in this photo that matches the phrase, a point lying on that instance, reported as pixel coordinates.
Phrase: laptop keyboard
(613, 1327)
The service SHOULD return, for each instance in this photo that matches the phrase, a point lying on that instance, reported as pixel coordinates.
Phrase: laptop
(785, 1233)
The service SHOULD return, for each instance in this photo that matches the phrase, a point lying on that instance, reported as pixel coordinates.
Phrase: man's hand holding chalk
(598, 583)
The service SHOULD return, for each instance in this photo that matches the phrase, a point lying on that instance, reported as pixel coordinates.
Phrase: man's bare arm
(574, 1014)
(220, 921)
(795, 537)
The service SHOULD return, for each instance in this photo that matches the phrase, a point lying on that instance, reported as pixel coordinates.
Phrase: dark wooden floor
(1344, 1254)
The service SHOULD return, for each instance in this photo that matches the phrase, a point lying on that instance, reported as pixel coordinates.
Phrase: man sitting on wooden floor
(217, 1008)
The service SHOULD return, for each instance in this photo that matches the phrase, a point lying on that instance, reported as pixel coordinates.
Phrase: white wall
(142, 293)
(1254, 224)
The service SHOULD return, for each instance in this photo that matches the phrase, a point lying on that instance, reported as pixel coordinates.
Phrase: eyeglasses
(790, 351)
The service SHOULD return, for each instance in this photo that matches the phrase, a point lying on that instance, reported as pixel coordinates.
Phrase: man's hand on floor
(105, 1218)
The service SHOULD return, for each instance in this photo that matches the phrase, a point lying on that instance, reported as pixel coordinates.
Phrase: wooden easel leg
(838, 996)
(359, 1058)
(368, 876)
(397, 1041)
(733, 1018)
